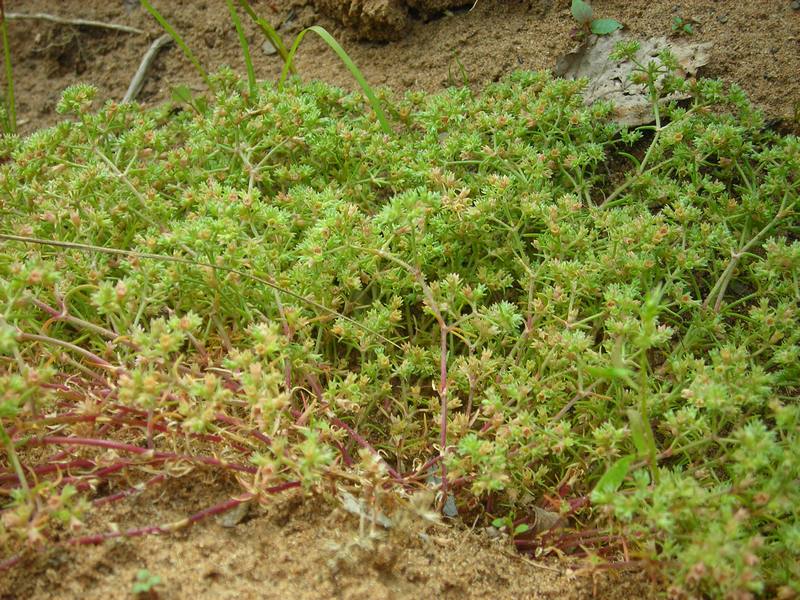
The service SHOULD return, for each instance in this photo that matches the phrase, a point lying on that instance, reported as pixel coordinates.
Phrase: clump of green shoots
(507, 290)
(145, 587)
(583, 13)
(681, 26)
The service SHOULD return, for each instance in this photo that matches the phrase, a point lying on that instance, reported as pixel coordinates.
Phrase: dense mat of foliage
(611, 318)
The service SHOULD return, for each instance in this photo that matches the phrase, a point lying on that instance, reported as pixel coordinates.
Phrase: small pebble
(268, 48)
(722, 18)
(795, 5)
(234, 516)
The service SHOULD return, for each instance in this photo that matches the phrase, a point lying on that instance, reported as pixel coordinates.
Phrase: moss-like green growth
(609, 335)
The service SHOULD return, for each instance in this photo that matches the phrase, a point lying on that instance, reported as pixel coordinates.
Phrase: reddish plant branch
(336, 422)
(217, 509)
(130, 491)
(122, 447)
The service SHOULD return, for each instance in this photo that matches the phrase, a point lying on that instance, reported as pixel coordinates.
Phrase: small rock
(268, 48)
(234, 516)
(722, 18)
(795, 5)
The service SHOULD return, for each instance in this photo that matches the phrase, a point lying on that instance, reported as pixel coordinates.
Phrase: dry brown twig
(138, 79)
(76, 22)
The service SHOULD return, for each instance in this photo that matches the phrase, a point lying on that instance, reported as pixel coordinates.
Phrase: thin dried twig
(77, 22)
(138, 79)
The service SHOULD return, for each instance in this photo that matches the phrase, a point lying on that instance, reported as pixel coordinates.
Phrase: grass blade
(10, 103)
(178, 39)
(268, 31)
(348, 62)
(248, 61)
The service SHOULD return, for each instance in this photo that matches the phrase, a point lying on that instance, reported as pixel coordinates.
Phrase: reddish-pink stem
(239, 423)
(130, 491)
(443, 397)
(49, 468)
(112, 445)
(424, 468)
(365, 444)
(166, 529)
(6, 564)
(350, 431)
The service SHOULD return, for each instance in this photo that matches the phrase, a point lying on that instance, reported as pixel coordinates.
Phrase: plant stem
(10, 103)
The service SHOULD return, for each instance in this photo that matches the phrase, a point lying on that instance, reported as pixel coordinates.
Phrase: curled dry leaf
(544, 520)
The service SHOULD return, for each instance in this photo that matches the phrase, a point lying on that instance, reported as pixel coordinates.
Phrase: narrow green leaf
(612, 373)
(638, 432)
(582, 11)
(605, 26)
(11, 108)
(178, 39)
(248, 61)
(268, 31)
(182, 94)
(613, 478)
(348, 62)
(521, 528)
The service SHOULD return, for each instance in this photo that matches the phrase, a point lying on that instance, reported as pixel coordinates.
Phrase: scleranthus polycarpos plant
(507, 291)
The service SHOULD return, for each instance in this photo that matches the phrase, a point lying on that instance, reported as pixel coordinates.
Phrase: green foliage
(177, 38)
(346, 60)
(583, 13)
(506, 282)
(248, 61)
(681, 26)
(268, 30)
(145, 583)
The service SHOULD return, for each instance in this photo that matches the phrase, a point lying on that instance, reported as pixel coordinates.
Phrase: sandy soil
(303, 547)
(756, 44)
(299, 547)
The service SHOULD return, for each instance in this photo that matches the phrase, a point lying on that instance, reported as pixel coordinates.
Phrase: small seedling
(144, 587)
(506, 524)
(681, 26)
(584, 15)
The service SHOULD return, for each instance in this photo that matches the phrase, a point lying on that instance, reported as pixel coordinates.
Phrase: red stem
(112, 445)
(130, 491)
(336, 422)
(171, 527)
(365, 444)
(443, 397)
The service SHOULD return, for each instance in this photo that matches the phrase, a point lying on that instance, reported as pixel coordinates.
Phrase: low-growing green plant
(583, 13)
(508, 288)
(187, 52)
(145, 585)
(287, 56)
(681, 26)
